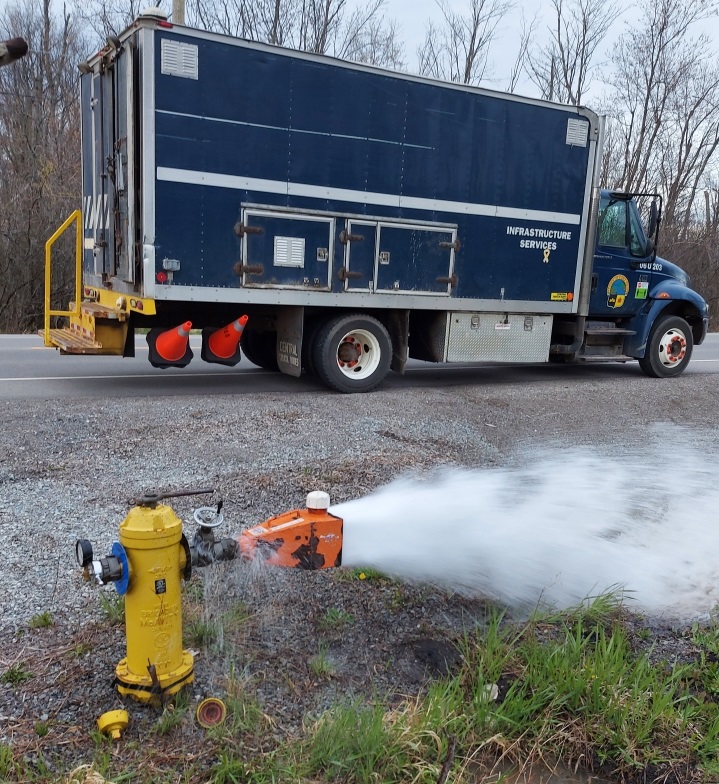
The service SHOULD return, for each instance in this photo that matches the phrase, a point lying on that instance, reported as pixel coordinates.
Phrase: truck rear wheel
(669, 348)
(260, 348)
(352, 353)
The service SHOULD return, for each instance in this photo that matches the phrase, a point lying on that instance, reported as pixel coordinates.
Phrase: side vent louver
(179, 59)
(577, 132)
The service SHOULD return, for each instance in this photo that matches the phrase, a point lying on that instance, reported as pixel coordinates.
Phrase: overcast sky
(412, 16)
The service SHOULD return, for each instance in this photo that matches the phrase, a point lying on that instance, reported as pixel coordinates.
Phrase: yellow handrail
(75, 216)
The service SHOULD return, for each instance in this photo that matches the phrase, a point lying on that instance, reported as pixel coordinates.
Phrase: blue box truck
(357, 216)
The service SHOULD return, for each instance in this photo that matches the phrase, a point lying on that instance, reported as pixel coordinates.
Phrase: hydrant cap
(318, 499)
(113, 723)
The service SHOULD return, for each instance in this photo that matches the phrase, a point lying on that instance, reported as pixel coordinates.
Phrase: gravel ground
(68, 471)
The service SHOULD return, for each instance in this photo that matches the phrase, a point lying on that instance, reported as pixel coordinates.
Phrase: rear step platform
(96, 329)
(72, 341)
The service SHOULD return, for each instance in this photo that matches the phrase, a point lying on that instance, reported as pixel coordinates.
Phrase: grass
(16, 675)
(113, 607)
(42, 621)
(567, 686)
(81, 649)
(173, 715)
(200, 633)
(7, 761)
(335, 619)
(244, 716)
(321, 665)
(42, 728)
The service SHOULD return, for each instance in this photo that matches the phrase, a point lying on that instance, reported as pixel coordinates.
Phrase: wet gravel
(68, 470)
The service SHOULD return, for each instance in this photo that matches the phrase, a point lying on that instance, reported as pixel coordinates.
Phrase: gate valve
(205, 548)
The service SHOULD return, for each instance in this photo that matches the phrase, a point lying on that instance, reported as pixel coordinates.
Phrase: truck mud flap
(289, 340)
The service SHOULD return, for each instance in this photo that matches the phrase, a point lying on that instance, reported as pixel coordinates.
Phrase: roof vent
(155, 12)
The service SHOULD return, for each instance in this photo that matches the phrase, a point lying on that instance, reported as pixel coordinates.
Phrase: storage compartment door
(498, 337)
(415, 259)
(286, 251)
(359, 239)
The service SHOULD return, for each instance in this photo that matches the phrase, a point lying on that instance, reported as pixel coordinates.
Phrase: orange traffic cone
(222, 346)
(170, 348)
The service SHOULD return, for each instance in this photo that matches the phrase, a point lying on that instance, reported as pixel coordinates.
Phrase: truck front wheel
(669, 348)
(352, 353)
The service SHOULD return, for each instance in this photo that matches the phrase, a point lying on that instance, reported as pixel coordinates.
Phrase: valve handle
(151, 497)
(180, 493)
(209, 516)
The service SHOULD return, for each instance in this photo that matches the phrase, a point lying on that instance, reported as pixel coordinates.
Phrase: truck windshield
(613, 223)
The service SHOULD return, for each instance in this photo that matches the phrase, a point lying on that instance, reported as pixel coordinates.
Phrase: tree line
(657, 82)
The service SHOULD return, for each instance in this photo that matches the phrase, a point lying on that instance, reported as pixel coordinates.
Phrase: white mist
(566, 527)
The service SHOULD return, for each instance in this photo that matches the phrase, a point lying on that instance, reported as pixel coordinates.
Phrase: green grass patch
(173, 715)
(16, 675)
(113, 607)
(321, 664)
(201, 634)
(42, 621)
(565, 686)
(335, 619)
(7, 761)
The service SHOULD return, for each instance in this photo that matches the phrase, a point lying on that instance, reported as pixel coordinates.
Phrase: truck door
(415, 258)
(96, 215)
(622, 262)
(123, 167)
(108, 122)
(286, 250)
(359, 239)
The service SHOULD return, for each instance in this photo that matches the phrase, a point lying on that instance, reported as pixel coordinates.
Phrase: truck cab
(640, 304)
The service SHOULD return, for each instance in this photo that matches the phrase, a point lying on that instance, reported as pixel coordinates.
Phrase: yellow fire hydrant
(155, 662)
(147, 566)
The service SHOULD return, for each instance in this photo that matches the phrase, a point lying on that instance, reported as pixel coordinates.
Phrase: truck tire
(669, 348)
(352, 353)
(308, 344)
(260, 348)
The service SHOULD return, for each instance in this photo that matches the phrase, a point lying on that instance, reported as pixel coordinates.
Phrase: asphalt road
(29, 370)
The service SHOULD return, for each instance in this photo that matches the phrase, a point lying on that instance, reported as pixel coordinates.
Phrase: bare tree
(458, 49)
(358, 32)
(256, 20)
(527, 32)
(367, 36)
(653, 62)
(111, 17)
(562, 69)
(39, 156)
(663, 133)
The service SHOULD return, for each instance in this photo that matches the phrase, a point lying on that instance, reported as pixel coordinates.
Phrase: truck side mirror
(653, 222)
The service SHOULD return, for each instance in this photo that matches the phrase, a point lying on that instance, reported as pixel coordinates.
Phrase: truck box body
(441, 221)
(457, 194)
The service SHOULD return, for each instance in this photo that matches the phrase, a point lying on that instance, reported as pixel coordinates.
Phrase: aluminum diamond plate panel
(498, 337)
